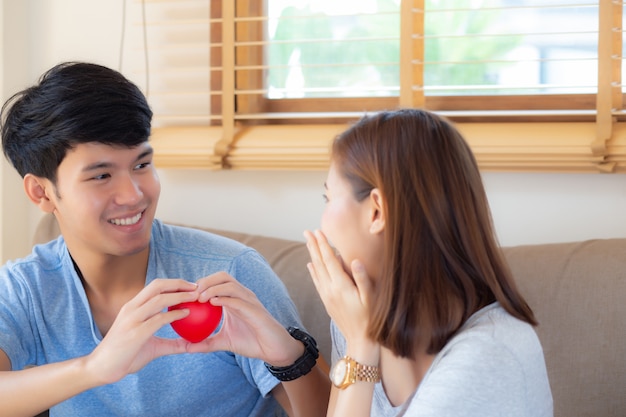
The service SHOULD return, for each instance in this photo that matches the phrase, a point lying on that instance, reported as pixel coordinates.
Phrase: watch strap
(353, 371)
(367, 373)
(303, 364)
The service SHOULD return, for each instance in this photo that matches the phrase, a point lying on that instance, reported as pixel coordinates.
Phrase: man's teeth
(126, 222)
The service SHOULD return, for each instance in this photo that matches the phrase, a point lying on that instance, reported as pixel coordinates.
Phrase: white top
(494, 366)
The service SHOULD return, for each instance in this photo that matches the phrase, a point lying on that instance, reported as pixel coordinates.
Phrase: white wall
(14, 58)
(527, 208)
(538, 208)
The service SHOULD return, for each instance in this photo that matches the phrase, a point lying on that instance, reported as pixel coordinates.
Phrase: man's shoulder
(44, 259)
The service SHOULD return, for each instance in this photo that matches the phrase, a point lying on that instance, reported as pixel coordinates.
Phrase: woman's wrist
(366, 352)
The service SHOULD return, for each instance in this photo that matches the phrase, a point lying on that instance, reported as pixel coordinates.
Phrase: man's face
(106, 198)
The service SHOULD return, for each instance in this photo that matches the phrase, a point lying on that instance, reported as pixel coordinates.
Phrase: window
(251, 84)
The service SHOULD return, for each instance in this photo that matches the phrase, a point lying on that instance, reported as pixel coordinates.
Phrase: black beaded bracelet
(303, 364)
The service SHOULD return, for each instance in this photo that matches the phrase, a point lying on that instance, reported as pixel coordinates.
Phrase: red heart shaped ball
(202, 320)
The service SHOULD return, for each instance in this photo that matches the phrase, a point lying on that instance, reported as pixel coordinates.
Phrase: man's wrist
(303, 364)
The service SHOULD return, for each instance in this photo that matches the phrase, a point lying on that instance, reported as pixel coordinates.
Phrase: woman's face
(347, 222)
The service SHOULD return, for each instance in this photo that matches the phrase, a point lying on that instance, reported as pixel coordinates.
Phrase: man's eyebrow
(146, 153)
(97, 165)
(101, 164)
(325, 186)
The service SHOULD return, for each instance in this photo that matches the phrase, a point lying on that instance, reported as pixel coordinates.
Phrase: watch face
(338, 373)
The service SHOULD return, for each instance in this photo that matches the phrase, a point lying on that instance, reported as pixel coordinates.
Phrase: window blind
(267, 84)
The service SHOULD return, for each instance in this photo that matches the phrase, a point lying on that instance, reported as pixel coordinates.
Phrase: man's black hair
(73, 103)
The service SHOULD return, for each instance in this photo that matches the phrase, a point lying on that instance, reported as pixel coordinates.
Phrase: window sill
(505, 147)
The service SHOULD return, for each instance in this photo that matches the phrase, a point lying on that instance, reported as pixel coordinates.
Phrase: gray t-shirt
(494, 366)
(45, 318)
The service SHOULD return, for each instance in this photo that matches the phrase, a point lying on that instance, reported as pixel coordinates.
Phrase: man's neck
(110, 282)
(107, 274)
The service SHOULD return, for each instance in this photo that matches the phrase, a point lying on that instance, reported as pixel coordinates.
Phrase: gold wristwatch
(347, 371)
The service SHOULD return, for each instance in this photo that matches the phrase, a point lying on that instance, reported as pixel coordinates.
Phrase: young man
(90, 309)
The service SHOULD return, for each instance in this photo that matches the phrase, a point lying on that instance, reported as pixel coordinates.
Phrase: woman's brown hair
(442, 262)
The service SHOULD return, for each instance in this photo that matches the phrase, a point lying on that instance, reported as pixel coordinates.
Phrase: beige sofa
(577, 290)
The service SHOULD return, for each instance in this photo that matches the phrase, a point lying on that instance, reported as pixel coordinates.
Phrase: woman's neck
(402, 376)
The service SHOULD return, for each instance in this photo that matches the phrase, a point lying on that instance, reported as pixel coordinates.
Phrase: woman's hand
(247, 327)
(346, 297)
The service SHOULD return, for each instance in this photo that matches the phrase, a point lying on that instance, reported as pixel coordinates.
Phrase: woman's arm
(346, 298)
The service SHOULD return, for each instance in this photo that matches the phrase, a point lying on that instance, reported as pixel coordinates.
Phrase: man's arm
(306, 396)
(127, 347)
(33, 390)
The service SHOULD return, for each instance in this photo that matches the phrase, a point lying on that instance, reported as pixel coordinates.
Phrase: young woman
(426, 317)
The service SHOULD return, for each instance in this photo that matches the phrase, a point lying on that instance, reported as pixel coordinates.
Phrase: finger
(213, 343)
(217, 278)
(332, 262)
(229, 288)
(316, 267)
(321, 254)
(147, 328)
(162, 286)
(241, 307)
(158, 303)
(311, 268)
(222, 284)
(313, 248)
(163, 346)
(361, 280)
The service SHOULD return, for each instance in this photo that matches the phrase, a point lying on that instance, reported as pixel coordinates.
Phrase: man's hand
(130, 342)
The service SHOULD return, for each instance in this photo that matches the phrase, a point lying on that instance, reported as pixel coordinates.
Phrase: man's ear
(37, 189)
(377, 211)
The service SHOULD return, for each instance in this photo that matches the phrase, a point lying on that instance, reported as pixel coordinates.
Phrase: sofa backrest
(577, 291)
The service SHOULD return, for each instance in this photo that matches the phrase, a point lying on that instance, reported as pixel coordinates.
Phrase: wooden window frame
(506, 133)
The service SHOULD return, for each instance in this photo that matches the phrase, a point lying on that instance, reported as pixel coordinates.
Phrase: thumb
(213, 343)
(361, 280)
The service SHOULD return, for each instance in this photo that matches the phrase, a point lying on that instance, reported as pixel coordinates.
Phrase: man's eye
(101, 177)
(325, 197)
(143, 165)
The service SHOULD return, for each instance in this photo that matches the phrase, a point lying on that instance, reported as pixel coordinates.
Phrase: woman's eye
(325, 197)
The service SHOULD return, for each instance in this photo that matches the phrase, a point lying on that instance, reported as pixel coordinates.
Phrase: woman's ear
(377, 211)
(37, 191)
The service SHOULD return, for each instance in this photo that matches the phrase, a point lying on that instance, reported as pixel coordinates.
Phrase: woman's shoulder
(493, 363)
(496, 337)
(493, 323)
(497, 324)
